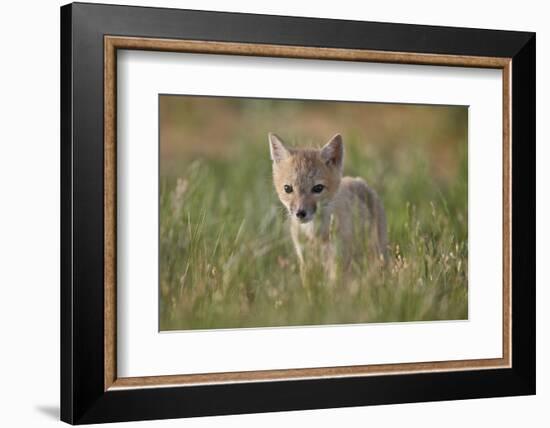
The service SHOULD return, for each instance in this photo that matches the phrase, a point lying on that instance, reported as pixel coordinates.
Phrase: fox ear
(277, 149)
(333, 152)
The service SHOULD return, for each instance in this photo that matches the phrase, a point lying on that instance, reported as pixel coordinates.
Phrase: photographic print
(309, 212)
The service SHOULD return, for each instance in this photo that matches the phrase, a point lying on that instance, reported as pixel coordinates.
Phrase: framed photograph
(266, 213)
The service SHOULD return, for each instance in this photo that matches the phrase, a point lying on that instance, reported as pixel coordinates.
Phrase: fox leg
(329, 255)
(343, 246)
(378, 234)
(294, 232)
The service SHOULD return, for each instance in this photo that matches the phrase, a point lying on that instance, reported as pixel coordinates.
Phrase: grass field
(226, 259)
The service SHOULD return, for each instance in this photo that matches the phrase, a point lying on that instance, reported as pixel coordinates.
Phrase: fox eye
(288, 189)
(318, 188)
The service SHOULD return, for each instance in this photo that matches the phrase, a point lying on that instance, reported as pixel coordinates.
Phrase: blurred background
(226, 258)
(193, 126)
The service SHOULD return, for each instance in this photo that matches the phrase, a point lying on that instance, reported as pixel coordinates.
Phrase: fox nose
(301, 213)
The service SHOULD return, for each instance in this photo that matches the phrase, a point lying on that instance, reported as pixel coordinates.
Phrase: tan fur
(345, 209)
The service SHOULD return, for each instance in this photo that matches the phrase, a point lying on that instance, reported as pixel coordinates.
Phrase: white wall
(29, 213)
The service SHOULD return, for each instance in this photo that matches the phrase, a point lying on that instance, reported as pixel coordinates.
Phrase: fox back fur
(326, 209)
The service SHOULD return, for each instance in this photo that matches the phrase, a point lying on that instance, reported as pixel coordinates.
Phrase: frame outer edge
(241, 27)
(524, 216)
(66, 259)
(82, 401)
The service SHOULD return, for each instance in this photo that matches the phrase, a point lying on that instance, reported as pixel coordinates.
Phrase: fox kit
(326, 209)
